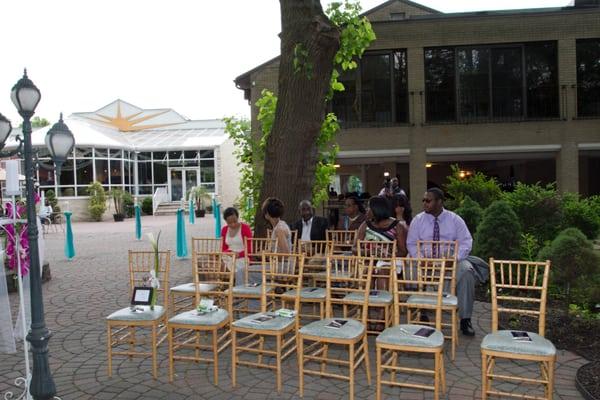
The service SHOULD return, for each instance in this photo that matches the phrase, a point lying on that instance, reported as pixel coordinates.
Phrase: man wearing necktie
(437, 223)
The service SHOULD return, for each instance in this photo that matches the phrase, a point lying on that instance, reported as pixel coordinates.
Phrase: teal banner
(69, 247)
(138, 222)
(192, 215)
(217, 214)
(181, 241)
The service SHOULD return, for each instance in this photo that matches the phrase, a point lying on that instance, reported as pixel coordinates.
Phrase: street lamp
(26, 96)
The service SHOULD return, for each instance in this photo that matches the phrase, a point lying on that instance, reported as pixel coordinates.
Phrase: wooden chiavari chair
(447, 250)
(123, 324)
(315, 254)
(185, 329)
(424, 277)
(342, 240)
(380, 298)
(518, 288)
(345, 276)
(246, 295)
(281, 273)
(183, 296)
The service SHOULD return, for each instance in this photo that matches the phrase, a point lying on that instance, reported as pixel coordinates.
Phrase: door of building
(180, 181)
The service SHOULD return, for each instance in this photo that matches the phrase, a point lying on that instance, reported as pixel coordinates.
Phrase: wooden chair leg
(154, 348)
(351, 371)
(378, 373)
(551, 378)
(215, 345)
(109, 348)
(443, 371)
(233, 358)
(261, 347)
(394, 364)
(132, 340)
(436, 377)
(366, 361)
(170, 333)
(454, 333)
(300, 352)
(325, 353)
(484, 380)
(197, 349)
(278, 365)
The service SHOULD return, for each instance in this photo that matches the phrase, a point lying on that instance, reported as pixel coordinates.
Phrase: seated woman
(272, 210)
(234, 236)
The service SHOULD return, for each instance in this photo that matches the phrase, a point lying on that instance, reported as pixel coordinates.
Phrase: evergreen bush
(471, 212)
(147, 206)
(581, 214)
(499, 233)
(538, 208)
(575, 267)
(97, 201)
(128, 204)
(51, 197)
(481, 189)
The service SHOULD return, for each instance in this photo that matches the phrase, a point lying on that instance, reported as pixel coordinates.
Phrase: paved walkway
(84, 291)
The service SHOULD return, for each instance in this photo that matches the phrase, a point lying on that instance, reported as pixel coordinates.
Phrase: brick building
(514, 94)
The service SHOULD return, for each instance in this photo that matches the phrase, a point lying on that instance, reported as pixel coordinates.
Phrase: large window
(588, 78)
(376, 93)
(495, 82)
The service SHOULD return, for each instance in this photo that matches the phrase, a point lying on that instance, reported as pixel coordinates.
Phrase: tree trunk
(291, 152)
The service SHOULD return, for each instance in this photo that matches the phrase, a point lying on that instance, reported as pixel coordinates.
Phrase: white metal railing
(160, 195)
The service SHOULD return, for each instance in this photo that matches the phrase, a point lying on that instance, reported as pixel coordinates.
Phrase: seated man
(437, 223)
(310, 227)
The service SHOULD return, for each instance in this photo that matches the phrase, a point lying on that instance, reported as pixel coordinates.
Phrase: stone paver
(85, 290)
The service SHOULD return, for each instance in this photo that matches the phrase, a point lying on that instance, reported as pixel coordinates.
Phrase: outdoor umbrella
(181, 242)
(138, 222)
(69, 247)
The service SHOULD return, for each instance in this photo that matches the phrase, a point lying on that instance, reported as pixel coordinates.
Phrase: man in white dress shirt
(310, 226)
(437, 223)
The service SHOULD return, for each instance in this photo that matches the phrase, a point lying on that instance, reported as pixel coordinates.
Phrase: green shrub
(581, 214)
(128, 204)
(483, 190)
(97, 202)
(147, 205)
(575, 267)
(498, 234)
(538, 209)
(471, 212)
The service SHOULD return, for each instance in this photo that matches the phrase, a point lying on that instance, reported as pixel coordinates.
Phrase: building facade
(143, 152)
(513, 94)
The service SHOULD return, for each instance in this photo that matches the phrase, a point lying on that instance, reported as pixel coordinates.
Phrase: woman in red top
(234, 236)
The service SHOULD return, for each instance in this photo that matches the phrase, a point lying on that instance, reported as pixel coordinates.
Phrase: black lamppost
(26, 96)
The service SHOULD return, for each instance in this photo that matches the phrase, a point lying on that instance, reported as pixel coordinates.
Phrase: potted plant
(117, 196)
(201, 196)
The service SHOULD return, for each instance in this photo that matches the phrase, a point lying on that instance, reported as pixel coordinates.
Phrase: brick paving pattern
(84, 291)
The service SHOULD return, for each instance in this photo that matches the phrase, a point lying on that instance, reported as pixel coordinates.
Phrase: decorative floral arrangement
(18, 232)
(153, 280)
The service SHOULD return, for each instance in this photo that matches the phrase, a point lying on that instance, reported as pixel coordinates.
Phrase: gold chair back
(141, 263)
(342, 240)
(348, 275)
(519, 287)
(217, 273)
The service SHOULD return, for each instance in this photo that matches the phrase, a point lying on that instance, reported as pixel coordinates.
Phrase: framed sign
(142, 296)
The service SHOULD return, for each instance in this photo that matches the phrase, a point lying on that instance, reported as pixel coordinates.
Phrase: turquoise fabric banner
(217, 214)
(181, 241)
(192, 215)
(138, 222)
(69, 247)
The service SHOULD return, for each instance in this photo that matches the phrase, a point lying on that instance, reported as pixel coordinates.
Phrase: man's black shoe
(466, 327)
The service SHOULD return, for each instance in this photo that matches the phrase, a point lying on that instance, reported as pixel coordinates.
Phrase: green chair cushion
(504, 342)
(382, 297)
(450, 300)
(189, 287)
(351, 330)
(249, 290)
(307, 293)
(275, 324)
(125, 314)
(403, 335)
(193, 318)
